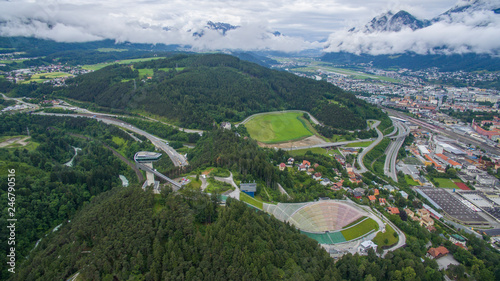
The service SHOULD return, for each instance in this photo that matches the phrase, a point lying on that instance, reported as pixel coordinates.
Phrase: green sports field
(360, 229)
(278, 127)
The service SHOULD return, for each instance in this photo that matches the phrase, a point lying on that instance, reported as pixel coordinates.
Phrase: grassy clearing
(387, 238)
(220, 172)
(301, 152)
(359, 144)
(410, 181)
(13, 61)
(446, 183)
(119, 141)
(252, 201)
(145, 72)
(220, 187)
(195, 184)
(277, 127)
(107, 50)
(360, 229)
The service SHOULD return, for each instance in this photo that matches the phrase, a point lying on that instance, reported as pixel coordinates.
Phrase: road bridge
(175, 185)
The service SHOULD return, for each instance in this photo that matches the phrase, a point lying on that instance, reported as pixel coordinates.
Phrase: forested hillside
(196, 90)
(129, 234)
(47, 191)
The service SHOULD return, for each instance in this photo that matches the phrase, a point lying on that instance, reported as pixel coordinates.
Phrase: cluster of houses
(423, 216)
(306, 166)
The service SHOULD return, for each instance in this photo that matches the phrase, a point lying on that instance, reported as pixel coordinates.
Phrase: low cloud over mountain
(469, 27)
(140, 23)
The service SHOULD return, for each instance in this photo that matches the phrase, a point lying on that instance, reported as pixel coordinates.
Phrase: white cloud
(303, 22)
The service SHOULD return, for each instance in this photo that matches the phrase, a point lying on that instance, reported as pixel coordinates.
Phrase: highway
(361, 155)
(178, 159)
(393, 149)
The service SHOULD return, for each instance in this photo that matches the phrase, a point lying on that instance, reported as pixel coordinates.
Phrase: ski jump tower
(147, 158)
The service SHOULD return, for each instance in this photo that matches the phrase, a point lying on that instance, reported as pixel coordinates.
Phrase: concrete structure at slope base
(147, 158)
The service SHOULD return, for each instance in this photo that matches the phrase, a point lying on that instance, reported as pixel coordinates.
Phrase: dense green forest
(48, 192)
(129, 234)
(218, 88)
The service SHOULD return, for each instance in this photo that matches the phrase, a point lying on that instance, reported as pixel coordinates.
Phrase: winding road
(236, 193)
(361, 155)
(178, 159)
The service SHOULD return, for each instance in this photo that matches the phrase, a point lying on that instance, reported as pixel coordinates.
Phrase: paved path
(361, 155)
(283, 191)
(204, 183)
(236, 193)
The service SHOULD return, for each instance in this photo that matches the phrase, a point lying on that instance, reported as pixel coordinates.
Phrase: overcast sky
(303, 22)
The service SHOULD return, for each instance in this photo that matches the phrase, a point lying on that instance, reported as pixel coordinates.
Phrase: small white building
(368, 244)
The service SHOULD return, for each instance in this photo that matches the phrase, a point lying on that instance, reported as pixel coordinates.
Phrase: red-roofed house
(376, 192)
(372, 198)
(282, 166)
(393, 210)
(306, 163)
(338, 185)
(317, 176)
(382, 201)
(436, 253)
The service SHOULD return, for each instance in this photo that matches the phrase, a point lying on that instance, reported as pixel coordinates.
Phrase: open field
(360, 229)
(380, 239)
(42, 77)
(107, 50)
(315, 66)
(50, 75)
(447, 183)
(145, 72)
(248, 199)
(277, 127)
(102, 65)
